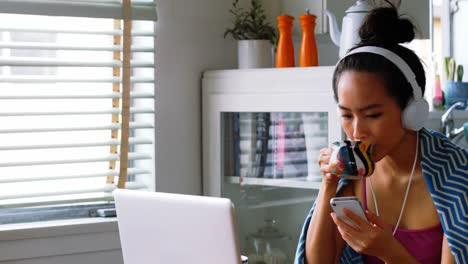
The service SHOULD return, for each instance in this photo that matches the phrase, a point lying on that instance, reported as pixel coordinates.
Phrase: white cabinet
(262, 130)
(297, 93)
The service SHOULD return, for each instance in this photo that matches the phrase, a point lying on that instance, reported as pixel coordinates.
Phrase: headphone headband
(415, 114)
(397, 61)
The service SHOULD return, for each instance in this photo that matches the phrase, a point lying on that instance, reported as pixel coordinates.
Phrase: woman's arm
(323, 242)
(447, 257)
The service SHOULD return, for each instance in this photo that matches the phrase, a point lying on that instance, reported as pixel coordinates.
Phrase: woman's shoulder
(443, 160)
(432, 134)
(444, 168)
(435, 143)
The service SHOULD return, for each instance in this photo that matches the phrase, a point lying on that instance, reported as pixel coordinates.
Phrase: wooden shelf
(300, 182)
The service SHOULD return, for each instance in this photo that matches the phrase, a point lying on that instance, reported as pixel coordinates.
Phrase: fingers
(354, 236)
(349, 239)
(374, 219)
(358, 227)
(324, 159)
(360, 222)
(343, 225)
(361, 236)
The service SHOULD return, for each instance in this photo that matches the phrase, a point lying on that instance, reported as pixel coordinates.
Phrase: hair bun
(384, 26)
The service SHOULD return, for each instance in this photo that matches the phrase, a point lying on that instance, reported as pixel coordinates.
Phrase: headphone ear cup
(415, 115)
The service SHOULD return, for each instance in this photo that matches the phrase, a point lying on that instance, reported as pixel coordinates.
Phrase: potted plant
(255, 35)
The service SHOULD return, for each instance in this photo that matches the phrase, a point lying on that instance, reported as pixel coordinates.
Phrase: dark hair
(383, 27)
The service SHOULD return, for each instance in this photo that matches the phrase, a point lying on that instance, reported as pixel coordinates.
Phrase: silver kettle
(352, 21)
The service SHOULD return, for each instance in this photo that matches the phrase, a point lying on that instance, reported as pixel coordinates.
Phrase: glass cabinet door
(262, 132)
(270, 171)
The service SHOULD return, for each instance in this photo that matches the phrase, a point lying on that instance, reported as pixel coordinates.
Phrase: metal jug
(352, 21)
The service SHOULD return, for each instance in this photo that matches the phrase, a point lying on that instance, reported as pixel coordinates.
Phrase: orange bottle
(285, 48)
(308, 54)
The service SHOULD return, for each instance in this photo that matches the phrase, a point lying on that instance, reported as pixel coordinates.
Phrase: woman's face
(368, 113)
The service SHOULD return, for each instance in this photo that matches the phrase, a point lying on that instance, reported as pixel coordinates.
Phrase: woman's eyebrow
(365, 108)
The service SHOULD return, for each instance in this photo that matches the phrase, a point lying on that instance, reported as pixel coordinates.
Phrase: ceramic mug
(244, 259)
(351, 159)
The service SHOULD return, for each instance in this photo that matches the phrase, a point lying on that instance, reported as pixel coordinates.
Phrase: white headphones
(416, 112)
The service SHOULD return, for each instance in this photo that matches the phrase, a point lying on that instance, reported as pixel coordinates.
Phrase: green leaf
(250, 23)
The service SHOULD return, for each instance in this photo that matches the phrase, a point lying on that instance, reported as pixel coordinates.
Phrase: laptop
(164, 228)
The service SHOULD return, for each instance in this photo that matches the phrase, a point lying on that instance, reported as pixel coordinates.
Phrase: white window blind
(62, 83)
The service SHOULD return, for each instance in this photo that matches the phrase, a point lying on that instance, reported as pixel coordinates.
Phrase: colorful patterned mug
(351, 159)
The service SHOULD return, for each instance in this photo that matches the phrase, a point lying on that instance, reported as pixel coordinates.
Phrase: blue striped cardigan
(445, 169)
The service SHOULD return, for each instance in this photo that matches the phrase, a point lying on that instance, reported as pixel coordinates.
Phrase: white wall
(190, 40)
(460, 38)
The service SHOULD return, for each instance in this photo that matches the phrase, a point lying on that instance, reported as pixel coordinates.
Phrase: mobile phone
(351, 203)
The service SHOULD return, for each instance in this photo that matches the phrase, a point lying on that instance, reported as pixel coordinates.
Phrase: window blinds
(61, 100)
(141, 9)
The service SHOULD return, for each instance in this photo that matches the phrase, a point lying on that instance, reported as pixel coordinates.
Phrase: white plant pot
(254, 54)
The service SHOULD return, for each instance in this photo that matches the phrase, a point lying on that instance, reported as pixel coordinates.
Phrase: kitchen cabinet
(262, 131)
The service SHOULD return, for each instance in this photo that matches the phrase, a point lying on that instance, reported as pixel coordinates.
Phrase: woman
(419, 183)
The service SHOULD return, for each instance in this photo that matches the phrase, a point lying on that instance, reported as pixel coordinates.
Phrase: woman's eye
(374, 115)
(346, 116)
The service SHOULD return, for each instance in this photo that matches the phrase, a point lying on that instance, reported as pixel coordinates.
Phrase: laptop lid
(165, 228)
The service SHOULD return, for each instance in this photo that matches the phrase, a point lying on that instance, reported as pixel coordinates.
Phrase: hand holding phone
(351, 203)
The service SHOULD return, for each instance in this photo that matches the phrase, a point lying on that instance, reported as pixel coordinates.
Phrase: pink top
(424, 244)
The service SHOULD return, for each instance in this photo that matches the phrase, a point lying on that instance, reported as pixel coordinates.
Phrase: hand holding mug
(351, 159)
(324, 166)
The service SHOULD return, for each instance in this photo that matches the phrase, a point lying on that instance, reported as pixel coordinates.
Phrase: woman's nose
(359, 129)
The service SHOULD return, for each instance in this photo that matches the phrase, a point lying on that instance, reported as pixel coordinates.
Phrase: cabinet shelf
(302, 97)
(299, 182)
(283, 202)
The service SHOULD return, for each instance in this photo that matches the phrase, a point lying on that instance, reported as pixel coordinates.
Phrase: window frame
(48, 222)
(60, 238)
(141, 9)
